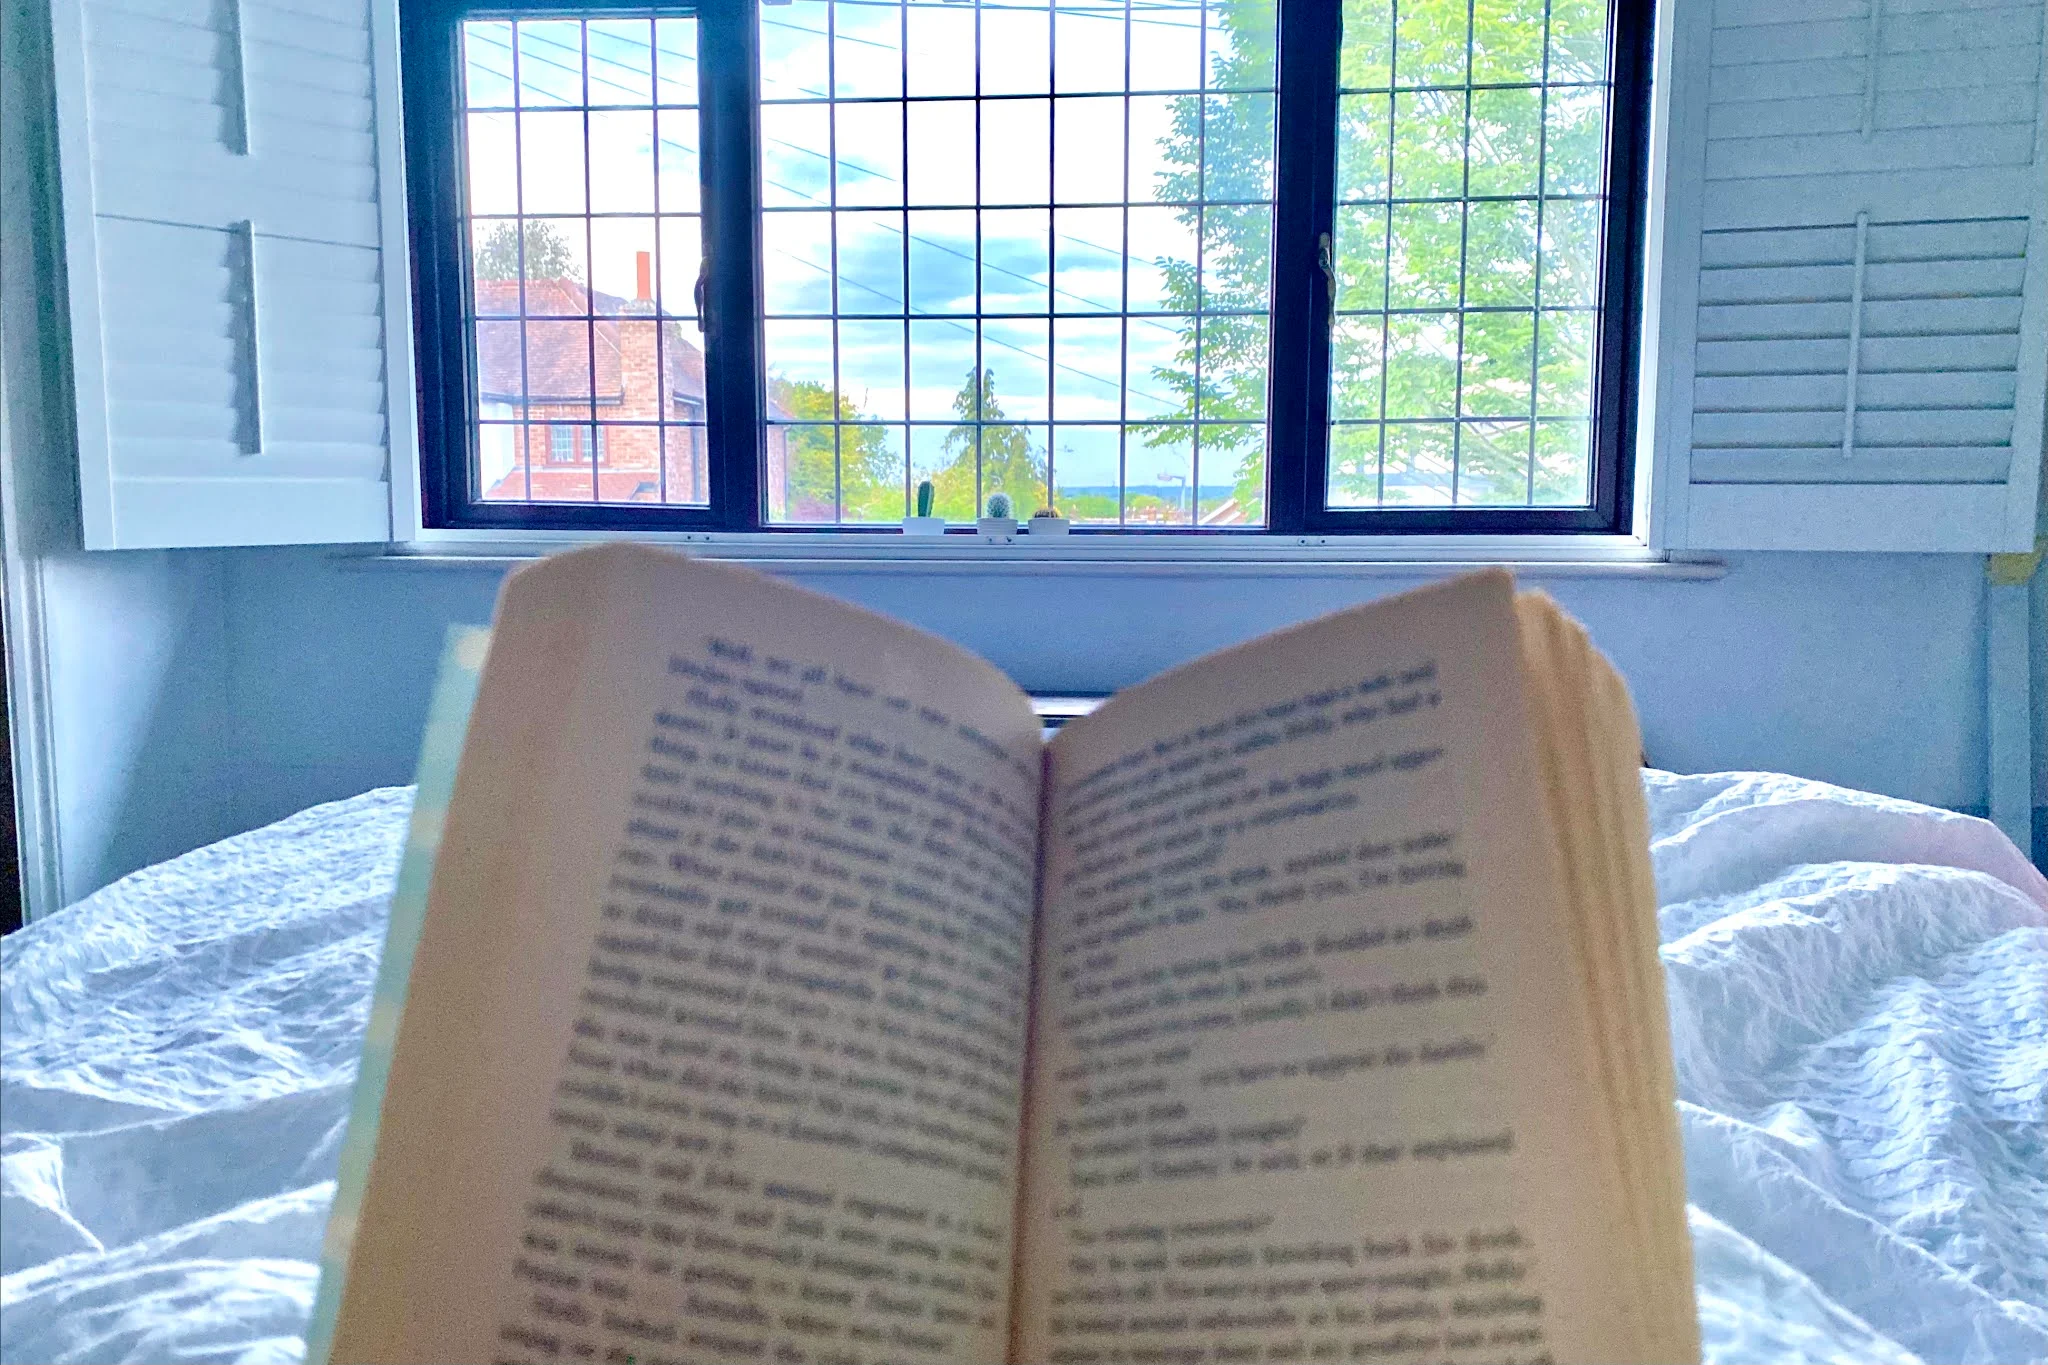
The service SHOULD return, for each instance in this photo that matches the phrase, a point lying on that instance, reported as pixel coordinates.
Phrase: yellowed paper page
(714, 1041)
(1307, 1063)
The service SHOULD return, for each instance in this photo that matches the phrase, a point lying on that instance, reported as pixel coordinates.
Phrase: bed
(1859, 1000)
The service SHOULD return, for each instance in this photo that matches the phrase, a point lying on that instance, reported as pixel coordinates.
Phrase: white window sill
(1589, 556)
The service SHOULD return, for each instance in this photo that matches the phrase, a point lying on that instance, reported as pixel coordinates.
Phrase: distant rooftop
(569, 358)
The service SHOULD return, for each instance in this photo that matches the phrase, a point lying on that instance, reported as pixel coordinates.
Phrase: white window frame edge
(2024, 512)
(968, 555)
(1656, 496)
(401, 376)
(37, 508)
(76, 213)
(1671, 268)
(38, 845)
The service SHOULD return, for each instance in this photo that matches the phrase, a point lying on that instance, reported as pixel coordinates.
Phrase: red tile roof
(567, 357)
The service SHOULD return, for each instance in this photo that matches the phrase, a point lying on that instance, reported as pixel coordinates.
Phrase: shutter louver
(1865, 354)
(1864, 322)
(240, 357)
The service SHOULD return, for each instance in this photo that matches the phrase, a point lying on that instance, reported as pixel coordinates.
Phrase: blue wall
(142, 722)
(205, 692)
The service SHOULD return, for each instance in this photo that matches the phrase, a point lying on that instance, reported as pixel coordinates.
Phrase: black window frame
(1305, 165)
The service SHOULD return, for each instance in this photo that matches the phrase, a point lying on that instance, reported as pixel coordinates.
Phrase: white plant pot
(924, 526)
(1047, 526)
(998, 528)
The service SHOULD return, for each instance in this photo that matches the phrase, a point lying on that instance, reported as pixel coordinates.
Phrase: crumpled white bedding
(1859, 999)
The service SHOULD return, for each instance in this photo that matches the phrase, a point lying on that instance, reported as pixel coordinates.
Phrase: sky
(1072, 149)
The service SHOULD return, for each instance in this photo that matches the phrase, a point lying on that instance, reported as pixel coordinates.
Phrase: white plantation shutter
(234, 242)
(1855, 275)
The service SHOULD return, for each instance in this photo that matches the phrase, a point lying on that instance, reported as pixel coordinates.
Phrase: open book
(783, 996)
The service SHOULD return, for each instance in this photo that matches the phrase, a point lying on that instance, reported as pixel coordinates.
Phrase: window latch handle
(697, 294)
(1326, 258)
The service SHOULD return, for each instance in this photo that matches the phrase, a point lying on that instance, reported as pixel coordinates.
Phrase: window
(782, 261)
(579, 151)
(1467, 256)
(1036, 256)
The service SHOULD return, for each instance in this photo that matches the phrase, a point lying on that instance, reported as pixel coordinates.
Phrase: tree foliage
(1008, 460)
(548, 256)
(870, 476)
(1221, 148)
(1436, 361)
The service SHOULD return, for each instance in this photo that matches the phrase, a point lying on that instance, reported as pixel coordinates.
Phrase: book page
(714, 1038)
(1305, 1064)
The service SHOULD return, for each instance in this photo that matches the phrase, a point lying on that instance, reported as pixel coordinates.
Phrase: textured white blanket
(1859, 997)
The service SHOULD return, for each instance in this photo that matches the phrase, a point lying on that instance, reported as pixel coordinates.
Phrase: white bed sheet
(1859, 998)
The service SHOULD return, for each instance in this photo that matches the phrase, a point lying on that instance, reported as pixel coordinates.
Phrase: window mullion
(735, 396)
(1305, 171)
(1631, 27)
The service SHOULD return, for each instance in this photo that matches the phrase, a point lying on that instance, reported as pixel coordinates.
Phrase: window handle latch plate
(1326, 258)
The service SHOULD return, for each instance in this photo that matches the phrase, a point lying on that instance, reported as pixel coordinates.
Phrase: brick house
(588, 352)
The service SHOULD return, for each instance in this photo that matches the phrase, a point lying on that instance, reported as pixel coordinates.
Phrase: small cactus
(999, 506)
(1052, 512)
(924, 497)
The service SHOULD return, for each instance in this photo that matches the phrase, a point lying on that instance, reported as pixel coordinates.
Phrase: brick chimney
(643, 276)
(639, 364)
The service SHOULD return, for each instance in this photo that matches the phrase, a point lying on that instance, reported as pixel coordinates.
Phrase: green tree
(1007, 459)
(1089, 507)
(1504, 364)
(869, 486)
(1226, 155)
(870, 475)
(1426, 259)
(547, 253)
